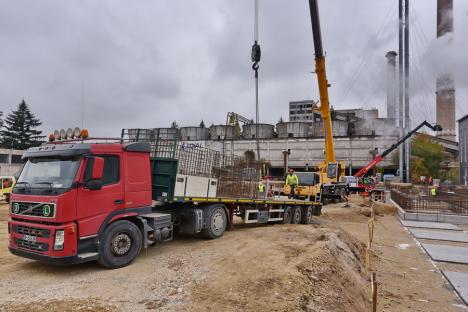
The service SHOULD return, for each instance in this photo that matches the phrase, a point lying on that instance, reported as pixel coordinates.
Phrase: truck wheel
(121, 243)
(296, 215)
(307, 215)
(317, 210)
(287, 215)
(215, 221)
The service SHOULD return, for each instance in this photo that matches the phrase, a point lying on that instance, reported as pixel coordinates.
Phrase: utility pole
(401, 166)
(407, 109)
(403, 94)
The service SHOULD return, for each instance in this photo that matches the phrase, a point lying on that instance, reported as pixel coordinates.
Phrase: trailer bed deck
(268, 201)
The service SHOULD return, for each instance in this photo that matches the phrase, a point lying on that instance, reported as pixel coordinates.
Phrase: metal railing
(439, 204)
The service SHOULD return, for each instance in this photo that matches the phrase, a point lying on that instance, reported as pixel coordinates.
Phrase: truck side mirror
(98, 168)
(95, 166)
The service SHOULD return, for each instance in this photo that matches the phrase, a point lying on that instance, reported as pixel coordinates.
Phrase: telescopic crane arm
(322, 82)
(379, 158)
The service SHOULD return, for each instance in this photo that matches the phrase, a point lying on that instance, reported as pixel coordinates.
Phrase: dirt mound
(304, 268)
(335, 275)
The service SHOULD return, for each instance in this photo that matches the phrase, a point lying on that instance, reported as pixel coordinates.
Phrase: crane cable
(255, 56)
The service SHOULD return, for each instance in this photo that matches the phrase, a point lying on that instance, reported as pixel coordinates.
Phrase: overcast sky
(146, 63)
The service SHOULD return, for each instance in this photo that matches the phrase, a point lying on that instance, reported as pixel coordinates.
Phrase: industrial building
(10, 162)
(463, 147)
(359, 135)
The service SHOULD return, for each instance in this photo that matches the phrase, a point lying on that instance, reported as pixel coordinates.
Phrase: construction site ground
(277, 267)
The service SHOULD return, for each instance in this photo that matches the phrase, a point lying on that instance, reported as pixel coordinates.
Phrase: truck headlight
(59, 240)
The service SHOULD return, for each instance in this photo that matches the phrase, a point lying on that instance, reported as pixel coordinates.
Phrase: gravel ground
(262, 268)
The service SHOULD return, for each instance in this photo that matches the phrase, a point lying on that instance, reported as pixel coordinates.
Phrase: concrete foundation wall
(310, 151)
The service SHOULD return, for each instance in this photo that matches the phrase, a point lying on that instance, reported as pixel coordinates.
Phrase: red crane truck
(367, 184)
(76, 201)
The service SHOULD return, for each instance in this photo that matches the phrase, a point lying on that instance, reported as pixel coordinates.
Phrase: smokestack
(445, 112)
(391, 85)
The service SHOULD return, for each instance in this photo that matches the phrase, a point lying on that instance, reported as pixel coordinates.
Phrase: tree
(202, 124)
(430, 155)
(280, 120)
(20, 129)
(174, 125)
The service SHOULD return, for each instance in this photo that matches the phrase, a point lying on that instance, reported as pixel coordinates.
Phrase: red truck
(76, 202)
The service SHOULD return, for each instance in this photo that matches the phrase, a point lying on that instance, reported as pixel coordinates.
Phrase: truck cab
(322, 185)
(68, 193)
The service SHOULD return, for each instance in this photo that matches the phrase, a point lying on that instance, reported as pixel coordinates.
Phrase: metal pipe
(407, 94)
(400, 88)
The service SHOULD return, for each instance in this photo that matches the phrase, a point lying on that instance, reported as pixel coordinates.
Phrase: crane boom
(322, 83)
(379, 158)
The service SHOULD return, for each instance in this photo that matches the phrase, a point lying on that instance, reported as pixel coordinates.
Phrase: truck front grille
(34, 246)
(29, 230)
(44, 210)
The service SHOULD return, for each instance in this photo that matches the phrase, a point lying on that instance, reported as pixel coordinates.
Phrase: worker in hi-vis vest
(261, 189)
(292, 180)
(433, 191)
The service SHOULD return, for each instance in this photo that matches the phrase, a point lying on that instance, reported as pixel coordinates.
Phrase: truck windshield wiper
(23, 182)
(46, 183)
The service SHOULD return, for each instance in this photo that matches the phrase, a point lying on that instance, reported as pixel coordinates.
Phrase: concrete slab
(446, 253)
(459, 281)
(430, 225)
(452, 236)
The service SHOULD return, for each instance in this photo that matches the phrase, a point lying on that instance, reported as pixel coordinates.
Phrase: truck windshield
(306, 178)
(52, 173)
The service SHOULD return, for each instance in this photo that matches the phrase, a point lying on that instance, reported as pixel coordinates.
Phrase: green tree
(280, 120)
(20, 129)
(202, 124)
(430, 154)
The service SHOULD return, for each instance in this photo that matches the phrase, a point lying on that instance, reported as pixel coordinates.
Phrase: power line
(355, 76)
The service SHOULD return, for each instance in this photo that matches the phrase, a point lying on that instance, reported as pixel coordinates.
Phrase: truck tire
(287, 215)
(306, 215)
(296, 215)
(215, 218)
(120, 244)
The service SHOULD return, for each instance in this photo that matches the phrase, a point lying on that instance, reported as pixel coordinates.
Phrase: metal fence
(412, 202)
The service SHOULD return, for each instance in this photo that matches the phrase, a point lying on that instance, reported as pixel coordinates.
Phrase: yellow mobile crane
(323, 184)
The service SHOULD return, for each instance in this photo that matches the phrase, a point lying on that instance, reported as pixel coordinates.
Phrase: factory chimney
(391, 86)
(445, 111)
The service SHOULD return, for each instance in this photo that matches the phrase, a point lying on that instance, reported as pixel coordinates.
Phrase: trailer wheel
(287, 215)
(307, 215)
(317, 210)
(121, 243)
(215, 221)
(296, 215)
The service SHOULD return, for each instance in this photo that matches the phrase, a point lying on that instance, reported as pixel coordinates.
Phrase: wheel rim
(217, 222)
(121, 244)
(297, 216)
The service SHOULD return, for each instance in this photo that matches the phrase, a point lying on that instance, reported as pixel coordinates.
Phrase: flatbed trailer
(266, 210)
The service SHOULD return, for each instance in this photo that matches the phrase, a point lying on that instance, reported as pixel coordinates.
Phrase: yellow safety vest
(292, 179)
(261, 187)
(433, 192)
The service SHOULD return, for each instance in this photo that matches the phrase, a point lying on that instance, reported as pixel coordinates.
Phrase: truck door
(93, 206)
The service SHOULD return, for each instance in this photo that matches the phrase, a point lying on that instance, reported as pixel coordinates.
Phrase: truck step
(88, 255)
